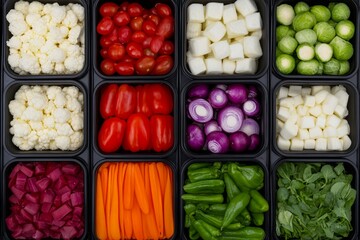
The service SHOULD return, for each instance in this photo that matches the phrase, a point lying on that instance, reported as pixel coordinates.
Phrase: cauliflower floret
(63, 142)
(14, 16)
(40, 27)
(21, 93)
(79, 11)
(46, 19)
(72, 91)
(49, 122)
(77, 121)
(32, 18)
(31, 114)
(50, 108)
(58, 13)
(36, 43)
(16, 108)
(64, 31)
(30, 64)
(47, 68)
(63, 129)
(73, 104)
(13, 60)
(27, 36)
(20, 129)
(61, 115)
(52, 134)
(57, 55)
(14, 42)
(77, 140)
(53, 91)
(38, 101)
(25, 49)
(70, 20)
(37, 89)
(74, 34)
(55, 34)
(32, 138)
(13, 51)
(59, 67)
(64, 45)
(36, 126)
(48, 46)
(22, 6)
(22, 144)
(47, 9)
(75, 64)
(60, 100)
(19, 27)
(52, 145)
(73, 50)
(36, 7)
(81, 98)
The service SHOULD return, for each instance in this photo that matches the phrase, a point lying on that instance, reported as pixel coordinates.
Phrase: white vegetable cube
(214, 11)
(309, 144)
(229, 13)
(316, 89)
(333, 121)
(298, 100)
(283, 144)
(321, 144)
(253, 22)
(207, 23)
(346, 142)
(309, 101)
(321, 121)
(197, 65)
(330, 132)
(307, 122)
(189, 56)
(279, 125)
(294, 90)
(337, 88)
(320, 96)
(302, 110)
(239, 39)
(246, 66)
(199, 46)
(246, 7)
(252, 47)
(236, 28)
(334, 144)
(289, 131)
(343, 129)
(297, 144)
(293, 118)
(305, 91)
(215, 31)
(196, 13)
(287, 102)
(257, 34)
(283, 92)
(213, 66)
(315, 111)
(341, 111)
(228, 66)
(303, 134)
(220, 49)
(343, 97)
(329, 104)
(327, 88)
(315, 132)
(236, 51)
(193, 30)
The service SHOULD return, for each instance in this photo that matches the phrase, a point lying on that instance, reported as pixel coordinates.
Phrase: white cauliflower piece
(72, 91)
(22, 144)
(64, 31)
(77, 121)
(14, 42)
(59, 68)
(29, 64)
(32, 138)
(36, 126)
(52, 134)
(62, 142)
(36, 43)
(52, 145)
(60, 100)
(74, 34)
(36, 7)
(20, 129)
(70, 20)
(53, 91)
(63, 129)
(49, 122)
(73, 50)
(14, 60)
(47, 19)
(22, 6)
(32, 18)
(73, 104)
(58, 13)
(75, 64)
(37, 89)
(61, 115)
(57, 55)
(38, 101)
(14, 16)
(76, 140)
(18, 28)
(55, 34)
(40, 27)
(47, 68)
(31, 114)
(16, 108)
(48, 46)
(64, 45)
(81, 98)
(21, 93)
(47, 9)
(79, 11)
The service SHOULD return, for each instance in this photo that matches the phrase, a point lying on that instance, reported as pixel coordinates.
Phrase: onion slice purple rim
(250, 127)
(201, 111)
(230, 119)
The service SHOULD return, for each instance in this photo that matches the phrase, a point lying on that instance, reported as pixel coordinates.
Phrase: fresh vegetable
(137, 134)
(231, 119)
(217, 142)
(162, 132)
(251, 108)
(211, 126)
(246, 177)
(218, 98)
(321, 193)
(239, 142)
(111, 134)
(285, 14)
(47, 201)
(200, 110)
(198, 91)
(235, 207)
(250, 127)
(205, 187)
(285, 63)
(195, 137)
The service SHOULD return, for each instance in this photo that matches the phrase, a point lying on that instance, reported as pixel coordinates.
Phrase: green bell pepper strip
(236, 238)
(246, 232)
(203, 174)
(204, 234)
(258, 203)
(187, 221)
(244, 221)
(193, 234)
(246, 177)
(209, 198)
(203, 206)
(216, 221)
(246, 215)
(195, 166)
(190, 208)
(215, 232)
(235, 207)
(218, 209)
(231, 188)
(205, 187)
(258, 219)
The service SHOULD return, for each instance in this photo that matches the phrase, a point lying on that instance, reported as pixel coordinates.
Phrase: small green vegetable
(323, 52)
(193, 234)
(205, 186)
(216, 221)
(343, 50)
(218, 209)
(332, 67)
(288, 45)
(247, 232)
(246, 217)
(285, 63)
(211, 229)
(209, 198)
(324, 32)
(306, 36)
(258, 219)
(308, 67)
(305, 52)
(284, 31)
(247, 177)
(345, 29)
(322, 13)
(285, 14)
(203, 174)
(340, 12)
(235, 207)
(190, 208)
(258, 204)
(231, 188)
(304, 20)
(195, 166)
(344, 67)
(201, 229)
(301, 7)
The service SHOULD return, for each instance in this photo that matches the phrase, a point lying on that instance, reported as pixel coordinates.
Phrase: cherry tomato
(105, 26)
(154, 18)
(135, 9)
(108, 9)
(124, 34)
(136, 23)
(123, 6)
(163, 10)
(121, 18)
(116, 52)
(125, 68)
(145, 65)
(153, 11)
(105, 41)
(167, 48)
(113, 36)
(165, 27)
(163, 65)
(138, 36)
(134, 50)
(149, 53)
(111, 134)
(104, 52)
(107, 67)
(145, 13)
(146, 42)
(149, 27)
(156, 43)
(128, 59)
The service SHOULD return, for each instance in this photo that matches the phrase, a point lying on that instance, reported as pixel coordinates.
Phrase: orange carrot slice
(162, 176)
(100, 219)
(157, 198)
(121, 178)
(150, 217)
(136, 221)
(129, 187)
(104, 172)
(168, 206)
(140, 191)
(114, 227)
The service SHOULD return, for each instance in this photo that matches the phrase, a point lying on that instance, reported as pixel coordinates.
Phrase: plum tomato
(163, 10)
(123, 6)
(165, 27)
(124, 34)
(138, 36)
(149, 53)
(156, 43)
(134, 50)
(105, 26)
(108, 9)
(121, 18)
(145, 65)
(135, 9)
(167, 48)
(163, 65)
(146, 43)
(136, 23)
(105, 41)
(154, 18)
(149, 27)
(116, 52)
(125, 68)
(107, 67)
(103, 53)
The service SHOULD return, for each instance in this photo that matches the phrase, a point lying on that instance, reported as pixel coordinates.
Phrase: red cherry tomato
(149, 53)
(167, 48)
(136, 23)
(107, 67)
(105, 26)
(105, 41)
(154, 18)
(156, 43)
(123, 6)
(128, 59)
(103, 53)
(163, 10)
(135, 9)
(165, 27)
(116, 52)
(149, 27)
(153, 11)
(134, 50)
(124, 34)
(113, 36)
(125, 68)
(163, 65)
(145, 65)
(138, 36)
(146, 42)
(111, 134)
(145, 13)
(108, 9)
(121, 18)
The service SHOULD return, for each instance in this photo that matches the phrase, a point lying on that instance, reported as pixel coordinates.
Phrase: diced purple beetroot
(31, 185)
(43, 183)
(68, 232)
(47, 196)
(17, 233)
(27, 216)
(32, 197)
(20, 181)
(28, 230)
(58, 223)
(11, 223)
(13, 199)
(61, 212)
(39, 168)
(38, 235)
(77, 199)
(46, 217)
(65, 197)
(72, 181)
(41, 225)
(60, 183)
(17, 192)
(15, 171)
(54, 228)
(32, 208)
(63, 190)
(78, 211)
(71, 169)
(57, 202)
(55, 234)
(55, 174)
(19, 218)
(27, 171)
(45, 207)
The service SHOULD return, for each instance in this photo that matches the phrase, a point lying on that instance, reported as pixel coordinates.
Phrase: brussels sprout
(344, 67)
(324, 32)
(322, 13)
(306, 36)
(343, 50)
(323, 52)
(305, 52)
(332, 23)
(301, 7)
(288, 45)
(331, 6)
(285, 63)
(285, 14)
(345, 29)
(283, 31)
(321, 68)
(304, 20)
(278, 52)
(332, 67)
(308, 67)
(340, 11)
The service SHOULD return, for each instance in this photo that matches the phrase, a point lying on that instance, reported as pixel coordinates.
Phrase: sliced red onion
(217, 142)
(230, 119)
(239, 142)
(211, 126)
(198, 91)
(251, 107)
(201, 111)
(238, 93)
(195, 137)
(253, 92)
(221, 86)
(218, 98)
(254, 142)
(250, 127)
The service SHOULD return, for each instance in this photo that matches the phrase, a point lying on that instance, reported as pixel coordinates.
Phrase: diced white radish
(246, 66)
(252, 47)
(315, 132)
(236, 51)
(210, 55)
(215, 31)
(315, 111)
(199, 46)
(343, 97)
(333, 121)
(320, 96)
(239, 39)
(309, 144)
(236, 28)
(346, 142)
(309, 101)
(229, 13)
(197, 65)
(334, 144)
(246, 7)
(196, 13)
(329, 104)
(240, 17)
(302, 110)
(279, 125)
(293, 118)
(316, 89)
(228, 66)
(283, 92)
(303, 134)
(340, 111)
(214, 11)
(305, 91)
(321, 144)
(307, 122)
(329, 132)
(297, 144)
(343, 129)
(298, 100)
(220, 49)
(287, 102)
(327, 88)
(321, 121)
(189, 56)
(207, 23)
(213, 66)
(337, 88)
(283, 144)
(294, 90)
(289, 131)
(193, 30)
(257, 34)
(253, 22)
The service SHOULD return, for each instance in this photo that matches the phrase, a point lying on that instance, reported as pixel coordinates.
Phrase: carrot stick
(156, 197)
(122, 170)
(128, 224)
(104, 172)
(146, 232)
(100, 222)
(150, 217)
(114, 227)
(162, 176)
(168, 207)
(129, 187)
(136, 221)
(140, 191)
(109, 198)
(142, 168)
